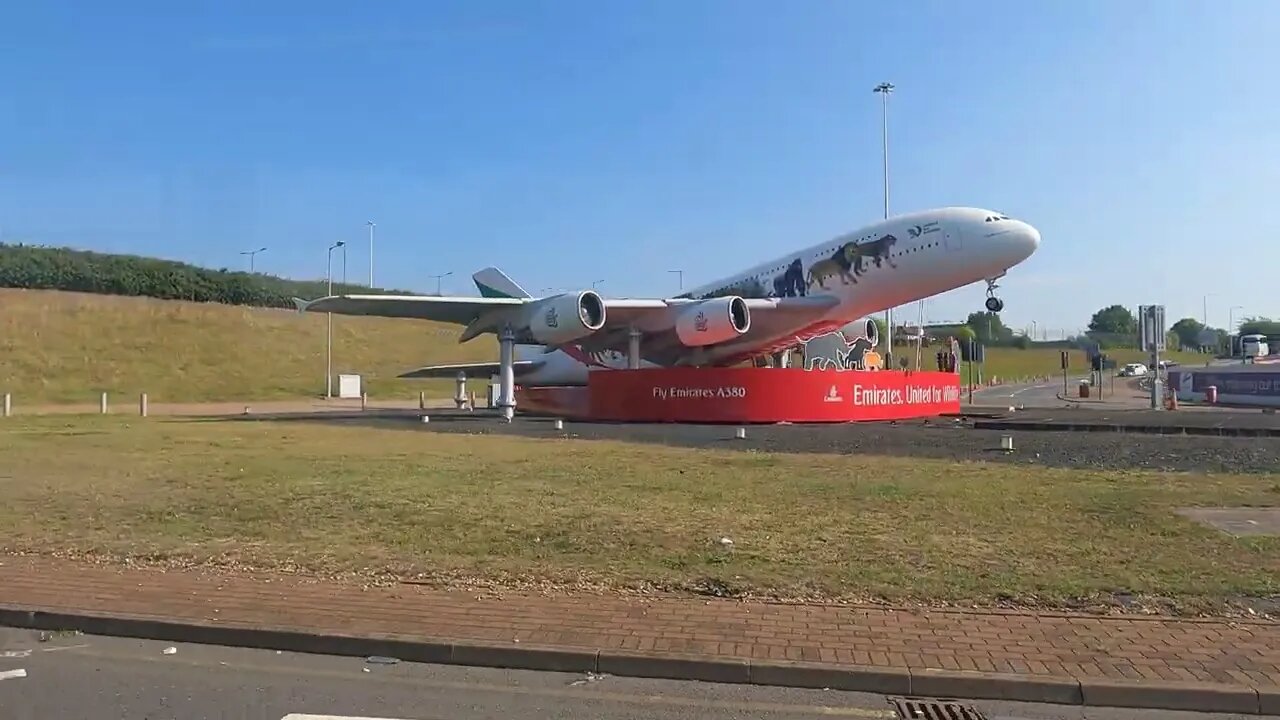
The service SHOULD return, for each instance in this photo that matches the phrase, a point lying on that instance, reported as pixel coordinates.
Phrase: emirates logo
(552, 319)
(700, 321)
(833, 395)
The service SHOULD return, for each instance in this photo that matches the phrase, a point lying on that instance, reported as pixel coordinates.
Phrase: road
(1046, 394)
(100, 678)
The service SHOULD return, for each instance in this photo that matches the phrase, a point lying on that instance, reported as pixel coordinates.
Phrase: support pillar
(633, 349)
(460, 396)
(507, 373)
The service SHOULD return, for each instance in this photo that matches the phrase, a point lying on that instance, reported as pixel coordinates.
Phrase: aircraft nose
(1024, 239)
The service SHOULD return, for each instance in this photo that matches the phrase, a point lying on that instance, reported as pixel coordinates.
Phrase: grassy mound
(68, 347)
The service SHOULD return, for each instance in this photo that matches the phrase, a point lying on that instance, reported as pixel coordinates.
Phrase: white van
(1254, 346)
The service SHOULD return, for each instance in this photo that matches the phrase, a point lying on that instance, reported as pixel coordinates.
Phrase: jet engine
(713, 321)
(865, 328)
(562, 319)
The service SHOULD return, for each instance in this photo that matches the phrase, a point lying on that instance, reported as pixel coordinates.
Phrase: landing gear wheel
(995, 304)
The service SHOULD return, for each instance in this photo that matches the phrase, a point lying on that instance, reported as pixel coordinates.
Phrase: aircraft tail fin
(494, 283)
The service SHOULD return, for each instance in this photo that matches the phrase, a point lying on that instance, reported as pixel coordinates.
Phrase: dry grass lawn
(58, 347)
(68, 347)
(406, 501)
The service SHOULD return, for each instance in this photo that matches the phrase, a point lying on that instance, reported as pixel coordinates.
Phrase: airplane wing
(774, 321)
(476, 369)
(457, 310)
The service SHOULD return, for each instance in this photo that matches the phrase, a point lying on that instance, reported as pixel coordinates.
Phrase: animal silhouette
(837, 351)
(791, 282)
(840, 262)
(879, 251)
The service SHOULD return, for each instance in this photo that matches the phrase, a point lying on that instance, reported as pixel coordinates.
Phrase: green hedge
(42, 268)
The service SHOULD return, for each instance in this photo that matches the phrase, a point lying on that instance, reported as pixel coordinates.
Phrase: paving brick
(427, 622)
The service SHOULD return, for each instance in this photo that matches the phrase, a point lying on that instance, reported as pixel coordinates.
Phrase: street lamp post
(440, 277)
(885, 89)
(251, 253)
(1231, 317)
(328, 334)
(1205, 309)
(371, 226)
(680, 275)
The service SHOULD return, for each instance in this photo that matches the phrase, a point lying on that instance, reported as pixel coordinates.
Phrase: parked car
(1133, 370)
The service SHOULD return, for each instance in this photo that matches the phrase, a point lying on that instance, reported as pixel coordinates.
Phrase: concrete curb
(888, 681)
(1070, 426)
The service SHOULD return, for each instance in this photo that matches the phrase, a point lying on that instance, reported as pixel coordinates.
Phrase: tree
(988, 328)
(1188, 331)
(1114, 320)
(880, 329)
(1259, 326)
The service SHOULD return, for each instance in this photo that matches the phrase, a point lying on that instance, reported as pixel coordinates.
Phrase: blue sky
(569, 142)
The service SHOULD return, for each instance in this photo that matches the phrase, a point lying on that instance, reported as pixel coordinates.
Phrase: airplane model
(760, 311)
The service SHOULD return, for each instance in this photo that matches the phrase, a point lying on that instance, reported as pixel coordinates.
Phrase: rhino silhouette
(835, 351)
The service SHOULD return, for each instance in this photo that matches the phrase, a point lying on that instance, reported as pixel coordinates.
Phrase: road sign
(1151, 327)
(1065, 356)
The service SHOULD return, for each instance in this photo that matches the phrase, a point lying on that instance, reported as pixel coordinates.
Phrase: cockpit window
(996, 218)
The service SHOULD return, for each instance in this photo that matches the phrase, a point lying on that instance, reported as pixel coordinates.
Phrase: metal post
(328, 334)
(884, 89)
(8, 405)
(371, 225)
(103, 404)
(422, 400)
(633, 349)
(142, 405)
(507, 375)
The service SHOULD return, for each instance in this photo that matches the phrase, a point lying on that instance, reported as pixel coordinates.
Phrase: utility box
(1084, 389)
(349, 387)
(495, 388)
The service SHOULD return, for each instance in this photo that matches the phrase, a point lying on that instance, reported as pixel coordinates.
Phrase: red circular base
(749, 395)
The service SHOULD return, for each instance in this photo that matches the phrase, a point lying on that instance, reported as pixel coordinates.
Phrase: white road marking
(13, 674)
(297, 716)
(64, 647)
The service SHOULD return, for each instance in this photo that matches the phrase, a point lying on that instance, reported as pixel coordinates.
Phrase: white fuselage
(926, 253)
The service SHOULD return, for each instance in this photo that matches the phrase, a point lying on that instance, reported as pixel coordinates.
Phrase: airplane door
(951, 238)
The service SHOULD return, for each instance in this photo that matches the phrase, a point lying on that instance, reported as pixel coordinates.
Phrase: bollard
(8, 405)
(426, 418)
(740, 433)
(142, 405)
(102, 405)
(422, 400)
(1006, 443)
(364, 401)
(472, 405)
(460, 397)
(559, 424)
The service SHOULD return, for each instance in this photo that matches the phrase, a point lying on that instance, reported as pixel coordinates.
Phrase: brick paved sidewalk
(1155, 649)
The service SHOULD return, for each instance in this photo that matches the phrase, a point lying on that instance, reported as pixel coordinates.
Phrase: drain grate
(912, 709)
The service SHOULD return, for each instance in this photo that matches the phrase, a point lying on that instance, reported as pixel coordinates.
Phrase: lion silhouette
(840, 262)
(791, 282)
(879, 251)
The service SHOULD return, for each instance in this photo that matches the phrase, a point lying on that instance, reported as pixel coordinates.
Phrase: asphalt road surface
(97, 678)
(1116, 393)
